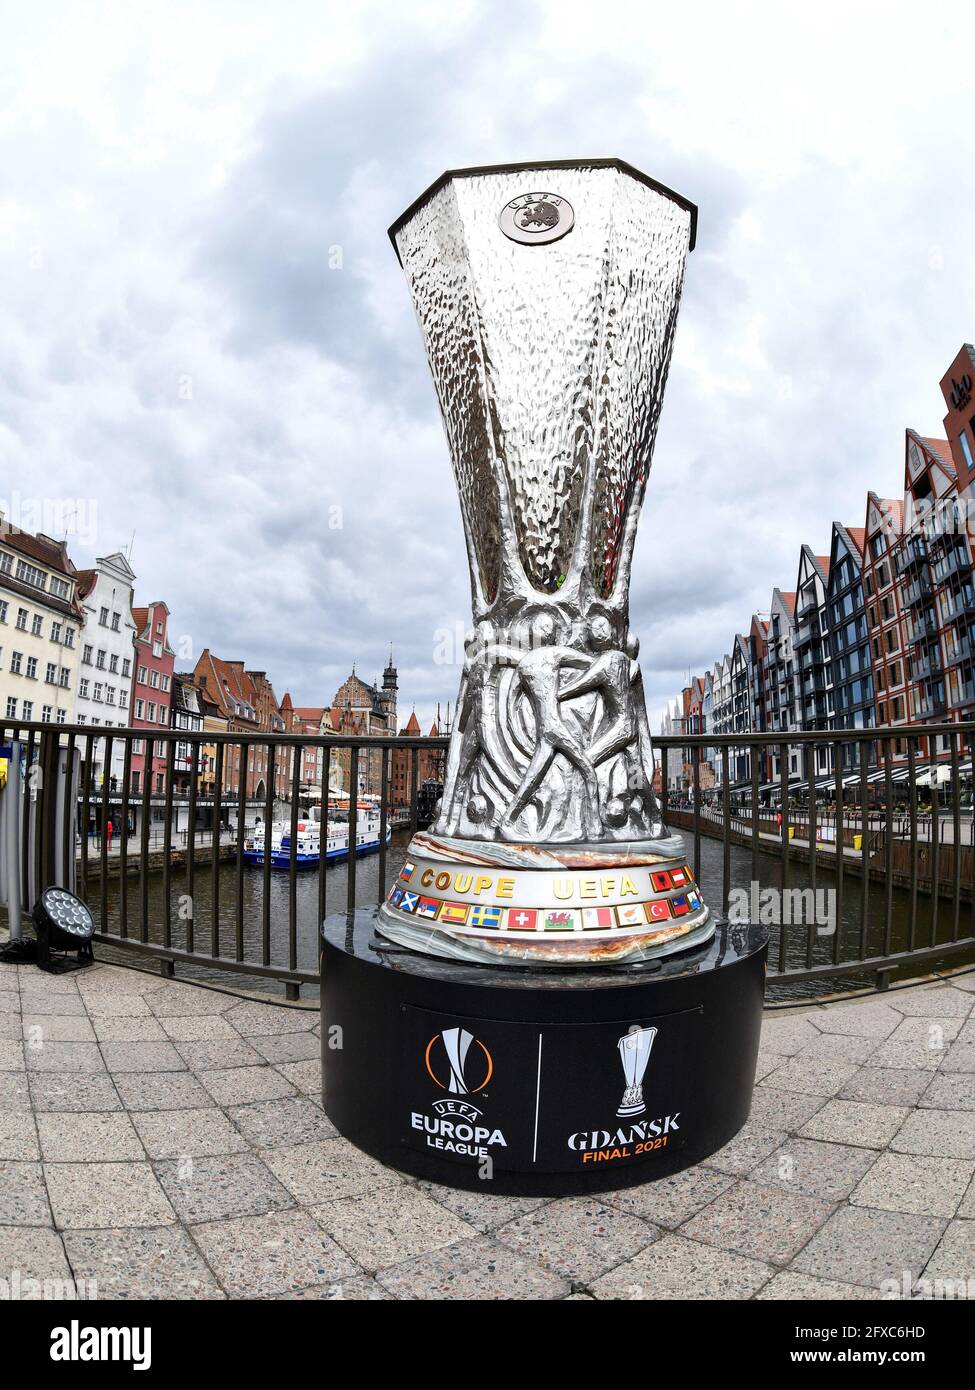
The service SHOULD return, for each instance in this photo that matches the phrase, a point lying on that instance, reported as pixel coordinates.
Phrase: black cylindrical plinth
(539, 1081)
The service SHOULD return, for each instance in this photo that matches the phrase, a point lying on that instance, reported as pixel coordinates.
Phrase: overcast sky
(183, 358)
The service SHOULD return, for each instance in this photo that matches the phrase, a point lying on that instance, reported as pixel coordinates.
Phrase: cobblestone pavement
(168, 1141)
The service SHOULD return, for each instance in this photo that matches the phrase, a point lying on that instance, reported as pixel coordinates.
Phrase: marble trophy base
(554, 906)
(550, 1082)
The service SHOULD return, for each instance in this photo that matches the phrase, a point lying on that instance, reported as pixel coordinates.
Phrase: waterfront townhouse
(40, 622)
(849, 642)
(885, 560)
(105, 668)
(152, 692)
(812, 655)
(779, 681)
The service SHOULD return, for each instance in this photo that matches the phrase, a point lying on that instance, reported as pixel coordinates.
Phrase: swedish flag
(484, 916)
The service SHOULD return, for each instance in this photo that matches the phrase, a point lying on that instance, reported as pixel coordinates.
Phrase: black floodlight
(63, 923)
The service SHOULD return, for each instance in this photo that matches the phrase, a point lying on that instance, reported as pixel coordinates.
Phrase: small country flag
(522, 918)
(631, 915)
(407, 871)
(396, 896)
(597, 918)
(427, 907)
(658, 911)
(408, 902)
(680, 878)
(454, 912)
(559, 919)
(661, 881)
(680, 906)
(484, 916)
(694, 899)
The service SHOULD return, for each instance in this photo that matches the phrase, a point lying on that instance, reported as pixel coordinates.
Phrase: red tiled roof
(51, 553)
(857, 535)
(412, 726)
(942, 449)
(789, 599)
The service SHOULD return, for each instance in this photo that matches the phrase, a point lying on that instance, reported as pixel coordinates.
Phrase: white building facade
(107, 653)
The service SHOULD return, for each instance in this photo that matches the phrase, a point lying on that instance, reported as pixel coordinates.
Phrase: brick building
(152, 692)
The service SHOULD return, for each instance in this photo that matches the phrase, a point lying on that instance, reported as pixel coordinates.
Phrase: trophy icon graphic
(457, 1043)
(547, 297)
(634, 1049)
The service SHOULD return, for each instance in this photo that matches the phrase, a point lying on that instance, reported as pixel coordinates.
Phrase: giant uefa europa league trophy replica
(543, 999)
(548, 319)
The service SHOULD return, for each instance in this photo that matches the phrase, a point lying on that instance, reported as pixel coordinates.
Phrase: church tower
(390, 687)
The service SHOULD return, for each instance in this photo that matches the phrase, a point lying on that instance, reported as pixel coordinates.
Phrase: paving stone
(219, 1055)
(905, 1056)
(263, 1020)
(864, 1246)
(165, 1090)
(35, 981)
(141, 1056)
(360, 1288)
(11, 1027)
(304, 1076)
(32, 1257)
(383, 1228)
(179, 1000)
(839, 1047)
(254, 1256)
(332, 1168)
(212, 1189)
(960, 1057)
(814, 1076)
(954, 1259)
(475, 1269)
(238, 1085)
(199, 1028)
(746, 1150)
(23, 1200)
(79, 1138)
(885, 1086)
(830, 1171)
(967, 1207)
(941, 1133)
(9, 1000)
(14, 1091)
(759, 1221)
(272, 1123)
(90, 1196)
(778, 1109)
(787, 1036)
(128, 1029)
(54, 1005)
(870, 1020)
(73, 1091)
(289, 1047)
(106, 1006)
(64, 1056)
(187, 1133)
(18, 1137)
(112, 979)
(935, 1032)
(675, 1268)
(905, 1183)
(671, 1200)
(11, 1055)
(965, 982)
(792, 1287)
(483, 1210)
(950, 1091)
(39, 1029)
(766, 1062)
(857, 1122)
(938, 1002)
(578, 1237)
(159, 1262)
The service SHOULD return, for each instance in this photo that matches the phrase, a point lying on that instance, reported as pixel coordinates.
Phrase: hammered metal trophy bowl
(547, 296)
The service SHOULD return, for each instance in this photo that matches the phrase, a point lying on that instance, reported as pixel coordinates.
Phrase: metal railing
(923, 862)
(897, 855)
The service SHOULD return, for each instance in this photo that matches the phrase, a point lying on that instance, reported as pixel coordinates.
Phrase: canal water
(756, 883)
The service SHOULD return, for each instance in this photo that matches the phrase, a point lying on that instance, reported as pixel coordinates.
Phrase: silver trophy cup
(635, 1054)
(547, 297)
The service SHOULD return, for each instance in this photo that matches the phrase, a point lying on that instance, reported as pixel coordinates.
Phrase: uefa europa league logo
(635, 1054)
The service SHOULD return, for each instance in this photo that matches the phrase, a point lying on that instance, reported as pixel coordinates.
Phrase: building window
(103, 617)
(97, 695)
(3, 611)
(60, 588)
(36, 624)
(86, 655)
(61, 715)
(100, 661)
(126, 666)
(28, 709)
(55, 632)
(64, 675)
(139, 707)
(11, 707)
(32, 668)
(157, 649)
(30, 574)
(22, 616)
(46, 712)
(154, 679)
(110, 694)
(142, 675)
(83, 688)
(52, 673)
(5, 562)
(113, 664)
(116, 619)
(165, 682)
(152, 711)
(15, 659)
(966, 449)
(135, 782)
(69, 636)
(123, 699)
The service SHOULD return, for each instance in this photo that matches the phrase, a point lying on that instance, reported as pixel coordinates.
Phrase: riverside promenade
(165, 1140)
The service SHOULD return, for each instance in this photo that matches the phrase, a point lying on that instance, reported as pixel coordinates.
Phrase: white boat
(308, 849)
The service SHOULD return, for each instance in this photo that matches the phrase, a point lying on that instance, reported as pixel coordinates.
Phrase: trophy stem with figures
(547, 298)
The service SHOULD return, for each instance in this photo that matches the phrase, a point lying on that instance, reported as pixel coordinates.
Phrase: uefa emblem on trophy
(548, 318)
(635, 1054)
